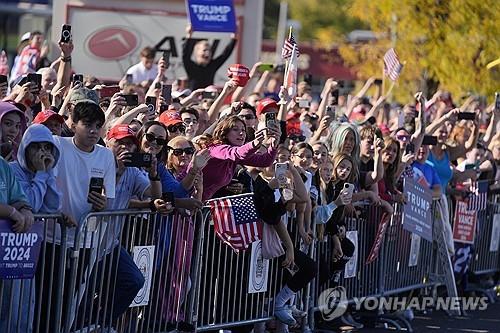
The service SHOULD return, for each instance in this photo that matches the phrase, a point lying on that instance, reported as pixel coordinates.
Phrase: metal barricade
(486, 257)
(130, 272)
(408, 258)
(222, 299)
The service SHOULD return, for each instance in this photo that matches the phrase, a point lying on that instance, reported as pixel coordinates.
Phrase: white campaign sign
(495, 233)
(107, 42)
(144, 259)
(414, 250)
(352, 265)
(259, 270)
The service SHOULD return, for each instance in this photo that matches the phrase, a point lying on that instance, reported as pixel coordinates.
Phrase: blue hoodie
(40, 187)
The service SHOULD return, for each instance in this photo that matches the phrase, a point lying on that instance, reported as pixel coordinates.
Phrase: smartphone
(497, 101)
(151, 103)
(377, 82)
(430, 140)
(265, 67)
(168, 197)
(466, 116)
(77, 78)
(106, 92)
(410, 148)
(139, 160)
(349, 188)
(303, 103)
(330, 111)
(166, 57)
(280, 170)
(166, 92)
(131, 100)
(66, 33)
(209, 95)
(3, 79)
(335, 97)
(36, 79)
(270, 119)
(308, 78)
(470, 167)
(129, 78)
(96, 185)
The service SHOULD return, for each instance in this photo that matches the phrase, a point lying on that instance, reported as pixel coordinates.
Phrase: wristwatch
(154, 179)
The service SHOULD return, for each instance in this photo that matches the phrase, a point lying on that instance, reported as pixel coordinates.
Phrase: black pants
(307, 271)
(328, 266)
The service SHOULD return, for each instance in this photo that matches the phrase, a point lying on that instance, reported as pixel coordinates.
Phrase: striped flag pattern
(4, 64)
(392, 66)
(235, 220)
(286, 51)
(478, 199)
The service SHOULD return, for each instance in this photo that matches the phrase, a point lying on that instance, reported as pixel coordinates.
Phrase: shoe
(284, 314)
(347, 319)
(296, 313)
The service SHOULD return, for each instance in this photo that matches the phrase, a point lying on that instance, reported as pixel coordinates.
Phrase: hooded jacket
(5, 108)
(40, 187)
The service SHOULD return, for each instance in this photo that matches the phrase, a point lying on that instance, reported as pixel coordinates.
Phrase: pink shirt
(220, 168)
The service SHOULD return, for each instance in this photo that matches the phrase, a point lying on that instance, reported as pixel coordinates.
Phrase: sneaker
(296, 313)
(347, 319)
(284, 314)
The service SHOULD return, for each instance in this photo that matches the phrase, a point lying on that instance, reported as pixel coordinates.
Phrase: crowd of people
(202, 141)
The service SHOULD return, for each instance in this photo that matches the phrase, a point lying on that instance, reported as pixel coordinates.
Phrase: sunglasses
(180, 151)
(247, 116)
(299, 138)
(175, 128)
(151, 138)
(402, 138)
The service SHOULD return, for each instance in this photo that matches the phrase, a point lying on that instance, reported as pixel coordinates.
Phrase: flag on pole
(4, 64)
(286, 51)
(235, 220)
(478, 199)
(291, 73)
(392, 66)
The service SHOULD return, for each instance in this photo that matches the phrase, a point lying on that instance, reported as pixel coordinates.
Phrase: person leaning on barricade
(271, 195)
(14, 207)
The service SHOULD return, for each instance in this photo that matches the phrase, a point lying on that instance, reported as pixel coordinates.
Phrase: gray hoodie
(40, 187)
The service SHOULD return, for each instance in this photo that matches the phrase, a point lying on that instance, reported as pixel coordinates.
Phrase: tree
(448, 41)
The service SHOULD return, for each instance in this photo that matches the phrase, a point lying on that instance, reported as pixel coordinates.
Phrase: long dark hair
(222, 128)
(144, 129)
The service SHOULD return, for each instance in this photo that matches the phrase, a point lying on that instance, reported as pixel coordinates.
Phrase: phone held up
(66, 33)
(139, 160)
(96, 185)
(270, 119)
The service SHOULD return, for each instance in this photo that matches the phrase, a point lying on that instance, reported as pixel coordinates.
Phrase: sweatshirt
(40, 187)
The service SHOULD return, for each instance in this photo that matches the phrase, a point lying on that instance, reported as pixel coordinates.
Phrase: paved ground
(486, 321)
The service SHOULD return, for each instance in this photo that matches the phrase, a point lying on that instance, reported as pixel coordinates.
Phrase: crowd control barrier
(176, 274)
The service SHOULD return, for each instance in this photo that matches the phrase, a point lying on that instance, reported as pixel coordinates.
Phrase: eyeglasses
(297, 138)
(247, 116)
(175, 128)
(180, 151)
(151, 138)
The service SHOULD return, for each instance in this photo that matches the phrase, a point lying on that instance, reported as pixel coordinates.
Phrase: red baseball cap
(170, 118)
(122, 131)
(265, 104)
(239, 73)
(45, 115)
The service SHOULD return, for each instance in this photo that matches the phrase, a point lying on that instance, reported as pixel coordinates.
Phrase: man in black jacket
(202, 69)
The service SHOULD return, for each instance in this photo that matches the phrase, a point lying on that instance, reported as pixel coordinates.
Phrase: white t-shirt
(73, 172)
(140, 73)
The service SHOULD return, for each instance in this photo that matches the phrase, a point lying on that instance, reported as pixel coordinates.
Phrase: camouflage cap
(84, 95)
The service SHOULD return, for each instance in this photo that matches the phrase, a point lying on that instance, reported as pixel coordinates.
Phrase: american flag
(478, 200)
(286, 52)
(235, 220)
(392, 66)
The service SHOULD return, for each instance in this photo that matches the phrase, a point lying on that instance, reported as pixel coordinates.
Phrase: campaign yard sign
(19, 251)
(212, 15)
(417, 211)
(464, 225)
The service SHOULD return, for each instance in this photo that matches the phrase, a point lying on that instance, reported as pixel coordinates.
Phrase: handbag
(271, 243)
